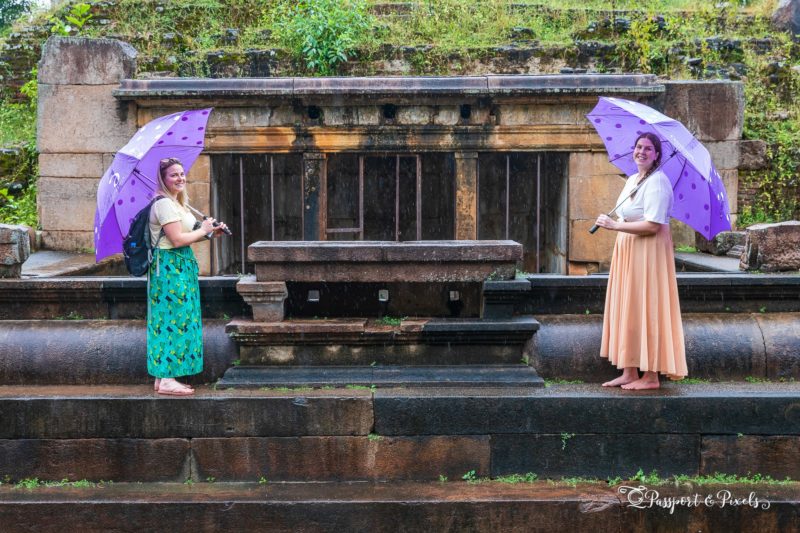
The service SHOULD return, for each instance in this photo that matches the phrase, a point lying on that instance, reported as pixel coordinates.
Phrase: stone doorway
(521, 196)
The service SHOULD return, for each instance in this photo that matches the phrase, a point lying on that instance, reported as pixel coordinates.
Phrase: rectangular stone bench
(373, 261)
(451, 264)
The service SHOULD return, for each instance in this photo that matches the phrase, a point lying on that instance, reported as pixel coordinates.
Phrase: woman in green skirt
(174, 326)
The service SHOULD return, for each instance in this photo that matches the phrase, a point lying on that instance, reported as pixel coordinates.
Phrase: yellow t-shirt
(163, 212)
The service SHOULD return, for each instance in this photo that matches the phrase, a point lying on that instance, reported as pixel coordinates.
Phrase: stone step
(128, 434)
(244, 377)
(389, 507)
(360, 341)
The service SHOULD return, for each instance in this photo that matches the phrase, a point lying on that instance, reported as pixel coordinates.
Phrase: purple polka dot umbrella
(131, 181)
(700, 199)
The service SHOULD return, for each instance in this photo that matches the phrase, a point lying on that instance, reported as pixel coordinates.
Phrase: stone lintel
(395, 86)
(266, 298)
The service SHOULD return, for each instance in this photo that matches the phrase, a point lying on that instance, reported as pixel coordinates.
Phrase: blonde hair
(163, 165)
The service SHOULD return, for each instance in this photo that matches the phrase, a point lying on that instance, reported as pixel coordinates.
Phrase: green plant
(390, 321)
(442, 478)
(189, 482)
(754, 379)
(78, 16)
(469, 476)
(530, 477)
(262, 480)
(27, 483)
(558, 381)
(564, 438)
(686, 249)
(324, 33)
(211, 479)
(373, 437)
(651, 478)
(692, 381)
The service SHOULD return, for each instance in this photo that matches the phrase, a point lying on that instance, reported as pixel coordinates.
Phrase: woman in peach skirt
(642, 327)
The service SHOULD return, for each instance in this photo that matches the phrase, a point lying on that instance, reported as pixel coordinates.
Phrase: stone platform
(453, 506)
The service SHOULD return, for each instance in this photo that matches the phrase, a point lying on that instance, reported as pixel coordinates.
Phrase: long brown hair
(653, 138)
(163, 165)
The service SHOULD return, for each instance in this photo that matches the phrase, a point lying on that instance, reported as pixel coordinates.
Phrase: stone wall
(86, 114)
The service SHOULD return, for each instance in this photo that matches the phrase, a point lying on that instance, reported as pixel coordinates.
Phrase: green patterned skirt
(174, 326)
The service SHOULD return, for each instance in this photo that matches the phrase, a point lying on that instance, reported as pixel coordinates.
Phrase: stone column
(314, 204)
(79, 123)
(466, 195)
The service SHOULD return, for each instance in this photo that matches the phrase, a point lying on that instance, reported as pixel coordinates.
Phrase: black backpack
(136, 248)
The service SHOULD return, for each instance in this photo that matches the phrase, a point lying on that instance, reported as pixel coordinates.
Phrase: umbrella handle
(594, 228)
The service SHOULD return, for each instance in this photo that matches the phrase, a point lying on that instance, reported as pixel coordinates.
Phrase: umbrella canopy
(700, 199)
(130, 182)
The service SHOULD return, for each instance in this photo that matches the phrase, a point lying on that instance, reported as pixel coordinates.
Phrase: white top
(162, 213)
(652, 202)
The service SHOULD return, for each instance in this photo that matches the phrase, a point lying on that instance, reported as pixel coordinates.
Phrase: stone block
(593, 194)
(67, 204)
(133, 460)
(266, 298)
(772, 247)
(724, 154)
(517, 115)
(600, 456)
(721, 243)
(341, 458)
(283, 116)
(267, 414)
(682, 235)
(730, 178)
(712, 110)
(588, 164)
(82, 119)
(587, 247)
(752, 155)
(202, 252)
(72, 165)
(70, 241)
(786, 16)
(447, 115)
(85, 61)
(200, 171)
(15, 248)
(745, 455)
(369, 115)
(780, 334)
(337, 116)
(414, 115)
(198, 197)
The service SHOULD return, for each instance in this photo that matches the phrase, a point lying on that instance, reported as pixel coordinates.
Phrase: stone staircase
(354, 453)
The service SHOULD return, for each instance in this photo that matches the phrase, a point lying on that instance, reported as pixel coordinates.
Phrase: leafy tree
(11, 10)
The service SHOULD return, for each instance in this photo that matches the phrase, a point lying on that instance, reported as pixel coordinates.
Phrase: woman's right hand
(207, 225)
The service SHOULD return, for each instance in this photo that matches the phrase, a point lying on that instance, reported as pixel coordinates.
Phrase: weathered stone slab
(67, 204)
(786, 16)
(722, 243)
(746, 455)
(96, 459)
(780, 332)
(590, 164)
(138, 413)
(772, 247)
(72, 165)
(78, 351)
(340, 458)
(587, 409)
(724, 154)
(368, 261)
(725, 347)
(585, 246)
(752, 155)
(15, 247)
(600, 456)
(85, 61)
(265, 297)
(82, 119)
(689, 102)
(591, 196)
(82, 241)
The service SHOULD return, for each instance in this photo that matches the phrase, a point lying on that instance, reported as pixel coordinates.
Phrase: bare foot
(629, 375)
(643, 384)
(172, 387)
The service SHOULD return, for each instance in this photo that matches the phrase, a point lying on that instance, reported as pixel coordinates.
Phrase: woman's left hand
(605, 221)
(219, 230)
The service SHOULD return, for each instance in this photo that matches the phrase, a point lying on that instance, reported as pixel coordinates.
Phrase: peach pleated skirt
(642, 319)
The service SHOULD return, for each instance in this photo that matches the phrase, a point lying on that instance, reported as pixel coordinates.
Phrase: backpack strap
(154, 246)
